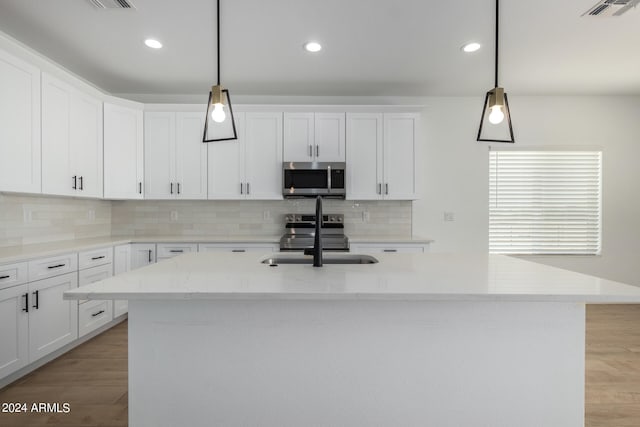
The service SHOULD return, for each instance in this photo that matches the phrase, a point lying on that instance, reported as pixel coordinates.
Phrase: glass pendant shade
(495, 123)
(219, 123)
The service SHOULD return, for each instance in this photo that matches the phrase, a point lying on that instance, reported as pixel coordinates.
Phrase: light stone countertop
(13, 254)
(423, 276)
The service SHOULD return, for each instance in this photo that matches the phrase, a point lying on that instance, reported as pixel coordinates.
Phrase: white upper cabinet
(381, 156)
(175, 156)
(251, 166)
(20, 155)
(71, 140)
(123, 152)
(314, 137)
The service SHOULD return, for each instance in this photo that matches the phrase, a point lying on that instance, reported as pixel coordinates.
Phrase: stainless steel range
(300, 233)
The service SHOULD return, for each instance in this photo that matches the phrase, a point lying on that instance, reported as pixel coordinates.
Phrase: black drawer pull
(97, 314)
(26, 302)
(4, 277)
(56, 266)
(389, 250)
(97, 257)
(149, 255)
(176, 251)
(37, 304)
(238, 250)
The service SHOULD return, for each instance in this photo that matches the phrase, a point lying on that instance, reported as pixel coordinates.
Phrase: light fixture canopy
(495, 122)
(312, 47)
(471, 47)
(219, 124)
(153, 43)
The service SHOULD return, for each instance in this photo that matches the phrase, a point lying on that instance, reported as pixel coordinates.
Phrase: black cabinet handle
(149, 255)
(140, 187)
(56, 266)
(97, 257)
(81, 185)
(171, 188)
(97, 314)
(241, 189)
(238, 250)
(389, 250)
(26, 302)
(178, 188)
(37, 304)
(179, 251)
(75, 182)
(4, 277)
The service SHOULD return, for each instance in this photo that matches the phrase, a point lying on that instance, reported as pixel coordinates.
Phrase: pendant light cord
(497, 28)
(218, 38)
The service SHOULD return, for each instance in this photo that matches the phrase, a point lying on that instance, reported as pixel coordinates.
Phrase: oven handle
(329, 179)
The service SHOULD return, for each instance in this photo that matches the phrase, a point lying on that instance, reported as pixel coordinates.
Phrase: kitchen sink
(326, 259)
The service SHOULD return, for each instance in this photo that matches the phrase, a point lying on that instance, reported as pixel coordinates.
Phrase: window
(545, 202)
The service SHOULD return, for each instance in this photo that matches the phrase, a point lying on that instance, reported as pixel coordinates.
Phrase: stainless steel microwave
(310, 179)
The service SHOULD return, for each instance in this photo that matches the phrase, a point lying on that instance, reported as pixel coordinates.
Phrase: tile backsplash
(41, 219)
(29, 219)
(253, 218)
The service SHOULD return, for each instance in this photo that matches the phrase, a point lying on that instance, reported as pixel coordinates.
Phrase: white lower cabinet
(121, 264)
(14, 329)
(142, 254)
(377, 248)
(53, 321)
(170, 250)
(93, 314)
(238, 247)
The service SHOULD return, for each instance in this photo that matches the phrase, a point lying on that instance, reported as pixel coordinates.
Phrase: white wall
(455, 172)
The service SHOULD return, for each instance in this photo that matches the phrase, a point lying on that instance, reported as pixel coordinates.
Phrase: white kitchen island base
(278, 362)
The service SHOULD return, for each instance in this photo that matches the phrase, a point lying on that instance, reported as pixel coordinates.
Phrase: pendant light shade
(219, 123)
(495, 123)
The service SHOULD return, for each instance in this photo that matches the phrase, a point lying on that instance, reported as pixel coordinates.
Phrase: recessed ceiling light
(312, 47)
(153, 44)
(471, 47)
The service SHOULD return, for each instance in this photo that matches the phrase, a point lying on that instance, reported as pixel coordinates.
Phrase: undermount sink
(326, 259)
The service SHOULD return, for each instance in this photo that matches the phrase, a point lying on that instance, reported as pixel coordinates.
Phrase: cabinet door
(19, 126)
(191, 157)
(121, 264)
(53, 321)
(364, 156)
(142, 254)
(86, 144)
(299, 133)
(226, 165)
(14, 329)
(57, 176)
(159, 155)
(123, 152)
(330, 137)
(399, 156)
(263, 155)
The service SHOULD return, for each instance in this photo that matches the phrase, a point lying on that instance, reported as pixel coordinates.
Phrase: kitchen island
(414, 340)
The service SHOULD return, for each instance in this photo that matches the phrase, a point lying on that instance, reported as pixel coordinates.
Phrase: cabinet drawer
(375, 249)
(53, 266)
(93, 314)
(95, 257)
(169, 250)
(94, 274)
(13, 274)
(242, 247)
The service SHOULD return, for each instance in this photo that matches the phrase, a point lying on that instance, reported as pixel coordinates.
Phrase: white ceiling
(371, 47)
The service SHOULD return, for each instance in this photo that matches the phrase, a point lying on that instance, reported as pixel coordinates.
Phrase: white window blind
(545, 202)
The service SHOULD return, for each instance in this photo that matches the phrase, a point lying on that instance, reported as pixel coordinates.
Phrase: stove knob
(339, 219)
(288, 218)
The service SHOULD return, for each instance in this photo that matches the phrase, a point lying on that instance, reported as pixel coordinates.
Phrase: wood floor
(92, 378)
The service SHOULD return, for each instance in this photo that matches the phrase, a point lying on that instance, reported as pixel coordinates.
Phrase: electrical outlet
(266, 215)
(174, 216)
(91, 215)
(365, 216)
(449, 216)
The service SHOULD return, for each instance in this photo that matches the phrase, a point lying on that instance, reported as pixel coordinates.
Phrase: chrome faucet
(316, 251)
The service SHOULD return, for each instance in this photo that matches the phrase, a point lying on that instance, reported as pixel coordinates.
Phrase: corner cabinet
(251, 166)
(19, 125)
(314, 137)
(123, 152)
(71, 140)
(381, 156)
(175, 158)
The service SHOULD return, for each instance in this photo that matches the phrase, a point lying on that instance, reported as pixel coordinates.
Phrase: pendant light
(219, 123)
(496, 118)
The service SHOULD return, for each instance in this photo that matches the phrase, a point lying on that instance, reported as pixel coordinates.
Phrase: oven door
(313, 179)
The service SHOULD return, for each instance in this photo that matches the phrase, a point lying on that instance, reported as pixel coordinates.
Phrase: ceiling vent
(611, 7)
(115, 4)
